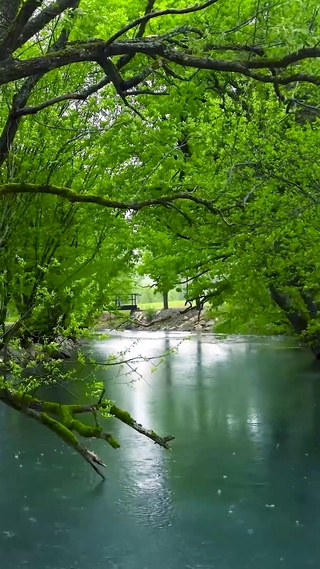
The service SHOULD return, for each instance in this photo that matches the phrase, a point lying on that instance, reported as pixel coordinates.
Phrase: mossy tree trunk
(300, 317)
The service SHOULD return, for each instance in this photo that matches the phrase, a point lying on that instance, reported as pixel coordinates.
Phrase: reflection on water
(241, 489)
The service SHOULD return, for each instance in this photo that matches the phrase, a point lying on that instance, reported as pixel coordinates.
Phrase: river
(240, 489)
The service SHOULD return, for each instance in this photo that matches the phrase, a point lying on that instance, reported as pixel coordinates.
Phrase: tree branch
(70, 195)
(81, 96)
(98, 50)
(64, 424)
(67, 436)
(126, 418)
(48, 14)
(8, 43)
(148, 10)
(148, 16)
(12, 124)
(20, 100)
(33, 408)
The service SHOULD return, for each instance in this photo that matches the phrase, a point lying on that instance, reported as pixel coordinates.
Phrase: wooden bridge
(127, 302)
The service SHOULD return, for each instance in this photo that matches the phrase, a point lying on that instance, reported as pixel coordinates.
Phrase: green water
(240, 490)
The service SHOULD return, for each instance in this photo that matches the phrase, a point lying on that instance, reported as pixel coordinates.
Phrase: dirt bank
(172, 319)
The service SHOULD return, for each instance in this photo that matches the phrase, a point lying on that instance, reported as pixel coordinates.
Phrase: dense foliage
(179, 142)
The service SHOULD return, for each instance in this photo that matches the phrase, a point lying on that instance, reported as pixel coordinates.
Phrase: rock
(66, 347)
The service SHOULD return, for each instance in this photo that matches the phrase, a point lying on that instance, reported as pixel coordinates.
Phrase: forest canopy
(178, 141)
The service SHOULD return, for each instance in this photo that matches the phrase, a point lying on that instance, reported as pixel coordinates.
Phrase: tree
(170, 122)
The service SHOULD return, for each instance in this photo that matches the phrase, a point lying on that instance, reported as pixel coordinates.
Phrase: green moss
(59, 429)
(28, 400)
(123, 416)
(88, 432)
(66, 415)
(68, 424)
(111, 440)
(85, 430)
(51, 407)
(24, 398)
(74, 408)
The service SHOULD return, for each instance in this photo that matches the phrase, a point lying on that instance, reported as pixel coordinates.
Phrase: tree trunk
(165, 301)
(299, 320)
(8, 11)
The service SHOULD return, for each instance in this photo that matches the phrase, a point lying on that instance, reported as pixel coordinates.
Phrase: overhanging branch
(98, 50)
(61, 420)
(81, 96)
(73, 197)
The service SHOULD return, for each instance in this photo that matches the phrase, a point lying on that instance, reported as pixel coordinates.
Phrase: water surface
(240, 489)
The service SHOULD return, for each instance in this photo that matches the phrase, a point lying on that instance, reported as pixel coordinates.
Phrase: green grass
(159, 305)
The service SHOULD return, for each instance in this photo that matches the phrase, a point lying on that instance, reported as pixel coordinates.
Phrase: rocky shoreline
(172, 319)
(64, 349)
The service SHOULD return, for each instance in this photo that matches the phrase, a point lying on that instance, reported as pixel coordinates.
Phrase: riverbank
(172, 319)
(60, 348)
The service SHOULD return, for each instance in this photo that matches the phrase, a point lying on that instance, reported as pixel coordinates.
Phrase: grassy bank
(159, 305)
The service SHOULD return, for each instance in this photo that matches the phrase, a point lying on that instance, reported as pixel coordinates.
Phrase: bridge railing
(127, 301)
